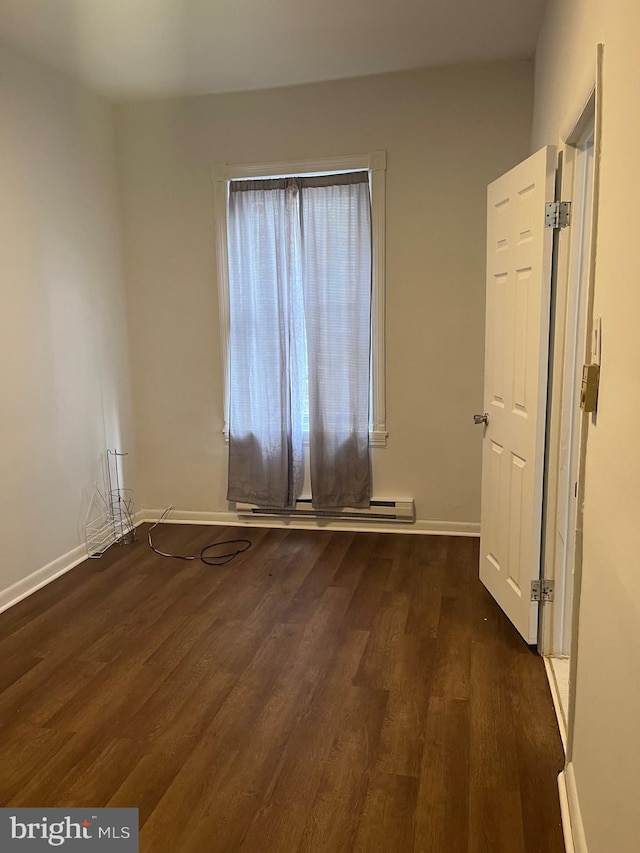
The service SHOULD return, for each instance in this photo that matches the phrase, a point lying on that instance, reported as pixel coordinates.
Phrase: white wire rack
(109, 516)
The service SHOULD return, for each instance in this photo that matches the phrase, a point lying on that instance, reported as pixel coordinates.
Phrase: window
(300, 278)
(375, 165)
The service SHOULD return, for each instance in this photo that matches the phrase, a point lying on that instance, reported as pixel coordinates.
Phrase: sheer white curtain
(300, 316)
(265, 348)
(336, 279)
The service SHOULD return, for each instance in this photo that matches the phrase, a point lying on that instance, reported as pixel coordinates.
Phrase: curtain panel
(300, 339)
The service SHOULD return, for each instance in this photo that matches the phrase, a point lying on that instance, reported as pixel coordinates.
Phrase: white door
(519, 252)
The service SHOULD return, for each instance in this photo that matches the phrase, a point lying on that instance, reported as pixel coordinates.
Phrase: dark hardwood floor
(323, 692)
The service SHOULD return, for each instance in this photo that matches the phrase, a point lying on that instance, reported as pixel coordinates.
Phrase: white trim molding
(557, 702)
(572, 827)
(423, 527)
(56, 568)
(41, 577)
(375, 163)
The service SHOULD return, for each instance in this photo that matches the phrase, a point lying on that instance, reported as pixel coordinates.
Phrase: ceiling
(153, 48)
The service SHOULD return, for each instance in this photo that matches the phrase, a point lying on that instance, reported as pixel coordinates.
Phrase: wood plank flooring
(324, 692)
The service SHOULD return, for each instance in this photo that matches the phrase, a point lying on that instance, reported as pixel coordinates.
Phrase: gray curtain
(266, 346)
(336, 280)
(300, 314)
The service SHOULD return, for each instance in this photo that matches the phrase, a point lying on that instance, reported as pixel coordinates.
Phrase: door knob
(481, 419)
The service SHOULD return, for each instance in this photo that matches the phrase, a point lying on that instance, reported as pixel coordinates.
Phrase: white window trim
(375, 163)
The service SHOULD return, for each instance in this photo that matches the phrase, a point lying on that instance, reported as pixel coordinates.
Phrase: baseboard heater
(378, 510)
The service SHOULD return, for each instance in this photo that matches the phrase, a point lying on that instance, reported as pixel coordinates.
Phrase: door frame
(568, 269)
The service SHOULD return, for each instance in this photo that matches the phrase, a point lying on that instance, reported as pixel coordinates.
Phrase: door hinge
(557, 214)
(542, 590)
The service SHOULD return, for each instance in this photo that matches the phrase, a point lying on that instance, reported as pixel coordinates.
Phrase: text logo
(103, 830)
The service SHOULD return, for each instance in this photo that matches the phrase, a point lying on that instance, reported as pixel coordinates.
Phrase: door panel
(519, 250)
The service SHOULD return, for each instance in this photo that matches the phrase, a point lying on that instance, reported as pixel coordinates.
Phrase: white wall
(63, 348)
(606, 749)
(447, 132)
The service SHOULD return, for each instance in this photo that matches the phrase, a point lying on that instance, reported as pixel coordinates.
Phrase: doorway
(572, 346)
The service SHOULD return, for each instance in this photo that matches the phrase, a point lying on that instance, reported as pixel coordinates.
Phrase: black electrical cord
(213, 560)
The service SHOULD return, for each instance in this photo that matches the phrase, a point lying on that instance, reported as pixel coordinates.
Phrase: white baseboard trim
(574, 838)
(230, 519)
(41, 577)
(557, 703)
(564, 811)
